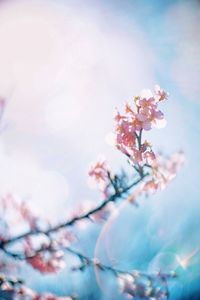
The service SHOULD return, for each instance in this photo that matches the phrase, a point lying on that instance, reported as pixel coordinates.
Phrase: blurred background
(64, 67)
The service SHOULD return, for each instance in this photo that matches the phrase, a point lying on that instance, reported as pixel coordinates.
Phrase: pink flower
(149, 156)
(28, 216)
(125, 134)
(161, 94)
(147, 103)
(176, 162)
(9, 203)
(99, 171)
(143, 122)
(149, 117)
(47, 262)
(164, 170)
(144, 115)
(136, 156)
(150, 186)
(119, 117)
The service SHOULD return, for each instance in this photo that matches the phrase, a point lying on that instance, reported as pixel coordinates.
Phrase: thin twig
(112, 198)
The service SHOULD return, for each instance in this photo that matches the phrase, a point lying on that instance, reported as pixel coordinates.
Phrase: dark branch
(113, 198)
(86, 262)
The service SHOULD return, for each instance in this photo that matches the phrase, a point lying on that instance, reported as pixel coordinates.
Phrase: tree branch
(152, 280)
(113, 198)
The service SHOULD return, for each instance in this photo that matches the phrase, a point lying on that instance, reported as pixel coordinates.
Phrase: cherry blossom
(141, 114)
(44, 248)
(160, 94)
(20, 208)
(14, 289)
(164, 170)
(48, 262)
(99, 170)
(100, 175)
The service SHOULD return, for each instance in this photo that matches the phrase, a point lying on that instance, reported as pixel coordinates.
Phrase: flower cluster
(42, 253)
(100, 174)
(12, 288)
(99, 171)
(47, 262)
(142, 286)
(11, 205)
(142, 115)
(163, 171)
(43, 246)
(46, 259)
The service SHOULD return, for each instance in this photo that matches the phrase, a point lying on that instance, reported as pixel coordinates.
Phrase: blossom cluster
(43, 245)
(141, 286)
(100, 174)
(163, 171)
(44, 253)
(99, 170)
(47, 262)
(142, 114)
(14, 289)
(11, 205)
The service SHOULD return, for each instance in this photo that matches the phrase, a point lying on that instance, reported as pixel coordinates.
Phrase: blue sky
(65, 66)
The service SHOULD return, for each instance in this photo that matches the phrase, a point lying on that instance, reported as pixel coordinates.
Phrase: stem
(87, 261)
(118, 273)
(112, 198)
